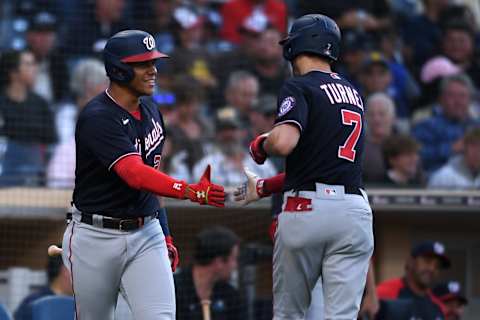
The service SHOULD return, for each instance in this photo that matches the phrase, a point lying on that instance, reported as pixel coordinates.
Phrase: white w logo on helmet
(149, 42)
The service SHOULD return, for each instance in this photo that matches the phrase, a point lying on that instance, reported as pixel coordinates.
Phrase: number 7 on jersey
(349, 118)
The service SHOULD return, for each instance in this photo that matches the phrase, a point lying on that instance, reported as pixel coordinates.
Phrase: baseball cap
(438, 67)
(432, 248)
(42, 21)
(353, 40)
(450, 290)
(255, 23)
(186, 18)
(375, 57)
(227, 118)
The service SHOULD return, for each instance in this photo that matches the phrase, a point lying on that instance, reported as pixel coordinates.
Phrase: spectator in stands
(241, 93)
(377, 76)
(191, 57)
(360, 14)
(403, 82)
(402, 160)
(95, 23)
(240, 57)
(156, 17)
(441, 134)
(52, 80)
(262, 115)
(59, 283)
(236, 12)
(231, 155)
(88, 80)
(423, 45)
(431, 75)
(380, 115)
(459, 46)
(27, 121)
(422, 270)
(461, 171)
(355, 46)
(190, 130)
(452, 298)
(215, 259)
(268, 64)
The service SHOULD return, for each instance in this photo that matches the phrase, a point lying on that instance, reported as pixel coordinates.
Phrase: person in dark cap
(377, 76)
(422, 269)
(58, 284)
(52, 80)
(355, 46)
(453, 299)
(215, 259)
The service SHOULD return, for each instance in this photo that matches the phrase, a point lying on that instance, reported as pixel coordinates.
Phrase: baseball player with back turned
(114, 242)
(325, 227)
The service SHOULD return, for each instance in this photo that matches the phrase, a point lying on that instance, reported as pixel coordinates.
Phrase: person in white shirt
(461, 171)
(230, 155)
(88, 80)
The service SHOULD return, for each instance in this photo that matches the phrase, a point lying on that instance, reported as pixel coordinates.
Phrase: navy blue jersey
(105, 133)
(328, 110)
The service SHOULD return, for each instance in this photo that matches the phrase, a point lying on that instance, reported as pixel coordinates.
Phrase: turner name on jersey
(340, 93)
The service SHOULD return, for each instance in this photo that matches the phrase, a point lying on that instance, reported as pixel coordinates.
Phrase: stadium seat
(4, 314)
(53, 308)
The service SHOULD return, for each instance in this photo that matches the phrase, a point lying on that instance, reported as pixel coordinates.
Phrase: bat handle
(206, 309)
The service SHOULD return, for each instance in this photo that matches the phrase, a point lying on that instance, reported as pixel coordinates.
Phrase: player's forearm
(282, 140)
(142, 177)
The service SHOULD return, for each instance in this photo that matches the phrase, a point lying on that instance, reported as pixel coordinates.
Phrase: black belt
(312, 187)
(128, 224)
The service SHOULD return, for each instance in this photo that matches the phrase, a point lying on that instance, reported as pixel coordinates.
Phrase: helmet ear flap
(288, 50)
(116, 70)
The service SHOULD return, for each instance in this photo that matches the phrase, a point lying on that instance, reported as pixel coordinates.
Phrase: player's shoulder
(98, 107)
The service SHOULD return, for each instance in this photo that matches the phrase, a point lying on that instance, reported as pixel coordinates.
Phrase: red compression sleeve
(140, 176)
(274, 184)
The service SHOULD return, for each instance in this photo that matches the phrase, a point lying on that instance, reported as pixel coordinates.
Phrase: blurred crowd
(416, 63)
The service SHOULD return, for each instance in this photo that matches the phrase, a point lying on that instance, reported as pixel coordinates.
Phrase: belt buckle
(127, 225)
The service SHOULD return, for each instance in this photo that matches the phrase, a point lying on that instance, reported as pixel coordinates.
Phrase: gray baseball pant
(106, 262)
(333, 241)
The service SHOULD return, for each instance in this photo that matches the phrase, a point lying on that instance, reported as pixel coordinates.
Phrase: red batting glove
(206, 192)
(172, 253)
(257, 152)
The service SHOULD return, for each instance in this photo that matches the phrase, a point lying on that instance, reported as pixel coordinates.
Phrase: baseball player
(114, 241)
(325, 227)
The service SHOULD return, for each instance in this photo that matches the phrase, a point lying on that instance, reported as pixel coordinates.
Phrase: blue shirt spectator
(24, 311)
(424, 44)
(441, 134)
(88, 33)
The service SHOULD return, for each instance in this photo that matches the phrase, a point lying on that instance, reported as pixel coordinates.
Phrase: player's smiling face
(145, 77)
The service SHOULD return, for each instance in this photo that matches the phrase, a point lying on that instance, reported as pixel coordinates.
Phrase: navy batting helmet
(126, 47)
(312, 33)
